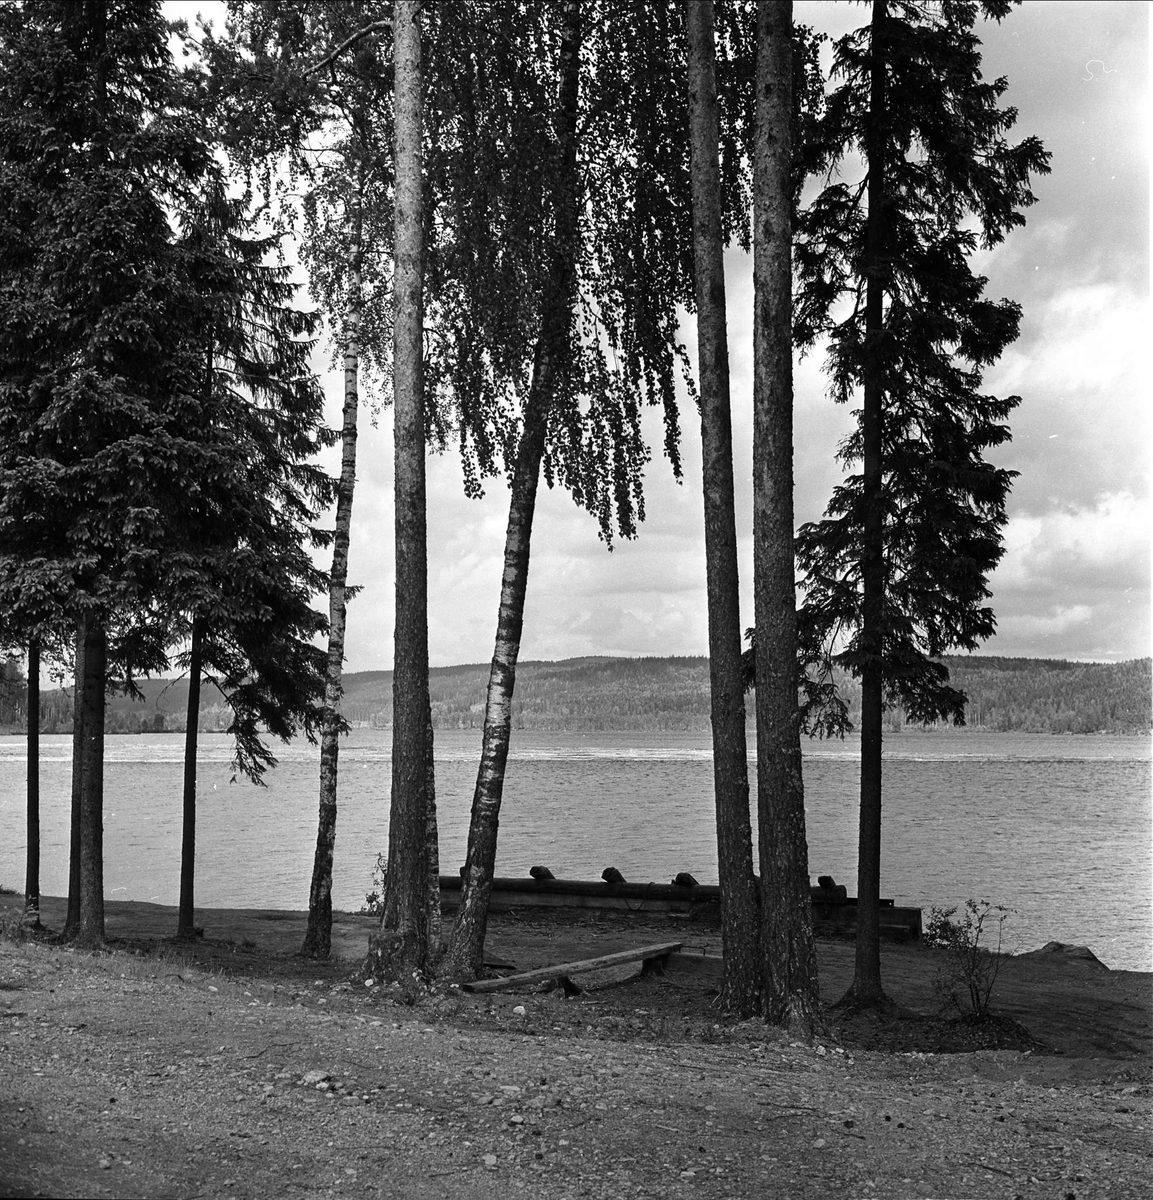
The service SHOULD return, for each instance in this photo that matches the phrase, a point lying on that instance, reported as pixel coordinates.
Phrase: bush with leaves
(374, 900)
(969, 965)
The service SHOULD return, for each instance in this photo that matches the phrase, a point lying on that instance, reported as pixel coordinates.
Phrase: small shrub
(20, 925)
(374, 900)
(970, 964)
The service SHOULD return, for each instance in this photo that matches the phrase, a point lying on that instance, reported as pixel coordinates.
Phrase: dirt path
(140, 1073)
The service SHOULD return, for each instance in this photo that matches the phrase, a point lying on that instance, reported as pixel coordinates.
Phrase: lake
(1056, 827)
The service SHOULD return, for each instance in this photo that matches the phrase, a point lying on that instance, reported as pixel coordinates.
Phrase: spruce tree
(113, 451)
(896, 572)
(96, 425)
(241, 576)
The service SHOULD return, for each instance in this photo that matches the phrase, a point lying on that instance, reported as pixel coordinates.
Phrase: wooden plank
(561, 970)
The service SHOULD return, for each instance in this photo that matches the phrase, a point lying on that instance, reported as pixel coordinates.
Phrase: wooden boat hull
(831, 912)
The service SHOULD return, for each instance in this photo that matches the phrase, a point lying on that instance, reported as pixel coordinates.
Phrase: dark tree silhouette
(740, 915)
(791, 997)
(896, 572)
(402, 944)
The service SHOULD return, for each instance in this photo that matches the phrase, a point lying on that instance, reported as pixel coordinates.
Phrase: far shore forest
(1005, 695)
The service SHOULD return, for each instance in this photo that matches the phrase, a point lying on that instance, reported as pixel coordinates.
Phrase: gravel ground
(138, 1074)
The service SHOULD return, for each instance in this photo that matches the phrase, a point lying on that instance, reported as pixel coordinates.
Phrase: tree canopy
(493, 203)
(896, 573)
(951, 183)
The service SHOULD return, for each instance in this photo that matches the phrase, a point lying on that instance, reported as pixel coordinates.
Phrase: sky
(1075, 579)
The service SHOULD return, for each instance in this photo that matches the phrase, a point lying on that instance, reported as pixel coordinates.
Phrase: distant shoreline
(961, 731)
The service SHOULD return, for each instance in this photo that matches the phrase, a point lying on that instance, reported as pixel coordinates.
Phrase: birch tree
(611, 275)
(305, 109)
(318, 935)
(552, 358)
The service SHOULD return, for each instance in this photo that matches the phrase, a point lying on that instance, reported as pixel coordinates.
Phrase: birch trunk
(318, 935)
(866, 989)
(791, 997)
(402, 945)
(186, 912)
(32, 859)
(465, 956)
(740, 918)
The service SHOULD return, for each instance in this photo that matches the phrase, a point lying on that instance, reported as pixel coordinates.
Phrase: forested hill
(1005, 694)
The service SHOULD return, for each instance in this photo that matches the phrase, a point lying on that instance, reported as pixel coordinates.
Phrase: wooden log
(588, 887)
(643, 954)
(701, 893)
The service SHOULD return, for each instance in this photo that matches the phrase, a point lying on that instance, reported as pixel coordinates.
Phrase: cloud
(618, 625)
(1083, 426)
(1078, 73)
(1074, 582)
(1105, 546)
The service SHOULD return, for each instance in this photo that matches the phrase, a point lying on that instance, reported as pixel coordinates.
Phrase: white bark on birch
(318, 935)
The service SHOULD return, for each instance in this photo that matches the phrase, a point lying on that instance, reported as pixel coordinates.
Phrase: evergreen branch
(373, 27)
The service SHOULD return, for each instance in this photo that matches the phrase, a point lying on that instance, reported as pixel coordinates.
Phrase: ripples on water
(1058, 828)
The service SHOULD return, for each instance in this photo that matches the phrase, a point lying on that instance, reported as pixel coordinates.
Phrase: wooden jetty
(833, 910)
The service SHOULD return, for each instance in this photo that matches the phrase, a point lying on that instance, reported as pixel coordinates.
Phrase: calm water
(1058, 828)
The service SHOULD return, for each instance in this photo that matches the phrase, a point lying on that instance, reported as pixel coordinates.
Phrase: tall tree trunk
(87, 823)
(186, 914)
(318, 935)
(866, 989)
(402, 945)
(791, 997)
(432, 849)
(465, 956)
(90, 933)
(32, 861)
(72, 920)
(740, 918)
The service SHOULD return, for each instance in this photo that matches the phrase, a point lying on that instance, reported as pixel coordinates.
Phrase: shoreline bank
(230, 1067)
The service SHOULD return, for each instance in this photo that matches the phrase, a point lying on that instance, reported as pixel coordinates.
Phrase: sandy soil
(232, 1068)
